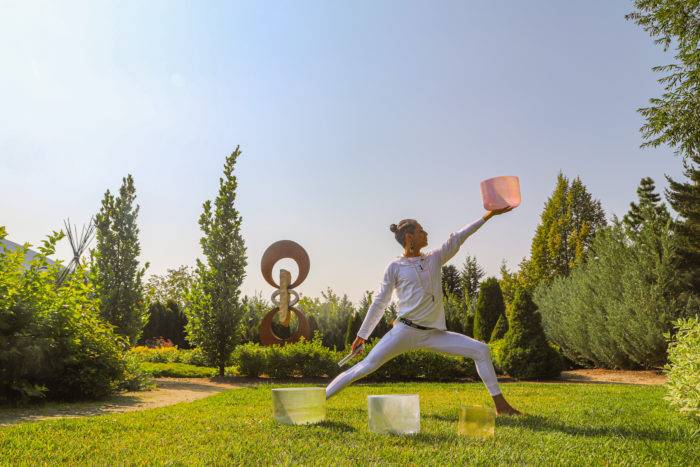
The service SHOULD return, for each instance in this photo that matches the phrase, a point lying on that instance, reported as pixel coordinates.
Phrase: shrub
(613, 310)
(425, 365)
(178, 370)
(304, 358)
(311, 359)
(169, 355)
(251, 359)
(52, 342)
(683, 367)
(136, 378)
(525, 352)
(489, 306)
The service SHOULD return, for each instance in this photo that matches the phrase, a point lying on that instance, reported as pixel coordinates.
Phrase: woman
(417, 279)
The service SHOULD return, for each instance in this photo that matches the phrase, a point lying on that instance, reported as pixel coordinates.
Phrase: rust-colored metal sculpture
(275, 252)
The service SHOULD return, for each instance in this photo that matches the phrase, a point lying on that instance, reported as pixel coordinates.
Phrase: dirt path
(597, 375)
(169, 391)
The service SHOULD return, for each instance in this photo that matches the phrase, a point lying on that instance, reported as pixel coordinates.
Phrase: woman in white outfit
(417, 279)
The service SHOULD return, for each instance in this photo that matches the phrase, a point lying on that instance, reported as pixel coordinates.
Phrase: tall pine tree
(115, 270)
(673, 119)
(470, 277)
(214, 307)
(450, 281)
(567, 225)
(648, 209)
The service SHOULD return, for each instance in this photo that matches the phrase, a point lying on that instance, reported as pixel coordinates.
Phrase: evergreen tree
(685, 199)
(167, 321)
(567, 224)
(356, 319)
(214, 308)
(470, 276)
(451, 281)
(525, 353)
(500, 329)
(489, 306)
(672, 120)
(509, 282)
(647, 210)
(456, 317)
(115, 264)
(331, 314)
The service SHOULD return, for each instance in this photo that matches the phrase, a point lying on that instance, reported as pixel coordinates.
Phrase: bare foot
(507, 411)
(503, 407)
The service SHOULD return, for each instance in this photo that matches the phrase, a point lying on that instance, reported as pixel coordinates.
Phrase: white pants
(402, 338)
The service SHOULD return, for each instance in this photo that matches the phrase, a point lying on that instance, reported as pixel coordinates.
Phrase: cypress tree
(215, 309)
(489, 306)
(500, 329)
(525, 353)
(116, 272)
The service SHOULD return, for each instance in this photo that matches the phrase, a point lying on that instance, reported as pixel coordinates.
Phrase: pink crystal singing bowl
(500, 192)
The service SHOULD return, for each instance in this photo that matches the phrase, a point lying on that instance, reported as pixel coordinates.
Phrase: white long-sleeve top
(418, 285)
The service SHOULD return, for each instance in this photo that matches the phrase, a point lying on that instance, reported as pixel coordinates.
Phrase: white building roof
(27, 257)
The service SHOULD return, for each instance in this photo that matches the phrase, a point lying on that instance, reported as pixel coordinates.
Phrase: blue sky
(350, 116)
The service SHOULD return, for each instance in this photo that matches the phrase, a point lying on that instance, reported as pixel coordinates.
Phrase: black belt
(408, 322)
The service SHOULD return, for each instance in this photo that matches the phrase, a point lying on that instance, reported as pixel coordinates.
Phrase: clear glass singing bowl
(394, 414)
(299, 406)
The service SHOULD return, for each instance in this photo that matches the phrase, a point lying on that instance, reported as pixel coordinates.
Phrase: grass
(567, 423)
(178, 370)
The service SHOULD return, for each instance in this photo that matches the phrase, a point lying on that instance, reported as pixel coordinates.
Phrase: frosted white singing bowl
(476, 421)
(500, 192)
(299, 406)
(394, 413)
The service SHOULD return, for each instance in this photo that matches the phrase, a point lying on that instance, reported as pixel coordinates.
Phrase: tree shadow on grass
(168, 392)
(540, 423)
(32, 413)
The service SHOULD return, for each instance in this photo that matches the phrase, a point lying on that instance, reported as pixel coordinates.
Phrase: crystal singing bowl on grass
(395, 413)
(476, 421)
(500, 192)
(299, 406)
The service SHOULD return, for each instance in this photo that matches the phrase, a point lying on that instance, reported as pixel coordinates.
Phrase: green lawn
(178, 370)
(567, 423)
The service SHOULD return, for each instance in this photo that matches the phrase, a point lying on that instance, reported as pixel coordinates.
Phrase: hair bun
(393, 228)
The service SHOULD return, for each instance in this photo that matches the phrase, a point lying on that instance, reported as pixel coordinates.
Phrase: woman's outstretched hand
(490, 214)
(358, 341)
